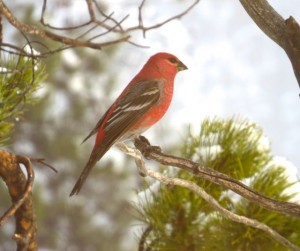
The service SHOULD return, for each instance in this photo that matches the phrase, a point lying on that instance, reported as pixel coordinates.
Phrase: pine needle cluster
(20, 78)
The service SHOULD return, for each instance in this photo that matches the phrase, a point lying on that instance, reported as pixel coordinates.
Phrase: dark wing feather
(95, 130)
(131, 107)
(143, 96)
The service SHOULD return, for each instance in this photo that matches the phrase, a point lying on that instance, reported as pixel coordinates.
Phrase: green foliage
(180, 220)
(242, 149)
(19, 79)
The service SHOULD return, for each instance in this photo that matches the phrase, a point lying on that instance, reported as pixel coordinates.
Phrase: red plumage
(142, 103)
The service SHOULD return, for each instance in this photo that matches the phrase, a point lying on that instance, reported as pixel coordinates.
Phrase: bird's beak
(180, 66)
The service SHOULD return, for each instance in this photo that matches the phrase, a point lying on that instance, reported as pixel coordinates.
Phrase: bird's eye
(172, 60)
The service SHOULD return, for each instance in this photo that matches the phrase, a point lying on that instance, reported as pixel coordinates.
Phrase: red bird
(141, 104)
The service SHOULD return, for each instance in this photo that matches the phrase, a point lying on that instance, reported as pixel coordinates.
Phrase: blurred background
(234, 68)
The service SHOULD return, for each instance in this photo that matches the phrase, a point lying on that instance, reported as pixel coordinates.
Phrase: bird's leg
(136, 154)
(143, 144)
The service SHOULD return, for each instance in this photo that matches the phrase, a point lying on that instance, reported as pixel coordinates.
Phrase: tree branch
(226, 213)
(213, 176)
(20, 192)
(106, 23)
(33, 30)
(143, 239)
(286, 33)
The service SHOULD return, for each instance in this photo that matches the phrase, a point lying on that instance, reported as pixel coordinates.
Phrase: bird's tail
(98, 151)
(85, 172)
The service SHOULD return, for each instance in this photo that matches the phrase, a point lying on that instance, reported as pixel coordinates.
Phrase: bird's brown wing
(129, 109)
(140, 97)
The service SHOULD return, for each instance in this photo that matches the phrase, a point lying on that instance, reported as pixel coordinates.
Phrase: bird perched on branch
(141, 104)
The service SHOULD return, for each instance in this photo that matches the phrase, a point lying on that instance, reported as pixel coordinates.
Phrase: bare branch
(106, 22)
(107, 17)
(33, 30)
(42, 20)
(286, 33)
(42, 161)
(123, 39)
(1, 30)
(158, 25)
(141, 23)
(144, 238)
(111, 29)
(211, 175)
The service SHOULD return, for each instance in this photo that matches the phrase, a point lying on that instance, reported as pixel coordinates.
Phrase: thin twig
(108, 17)
(1, 30)
(18, 51)
(42, 161)
(141, 23)
(123, 39)
(138, 45)
(33, 30)
(109, 30)
(42, 20)
(158, 25)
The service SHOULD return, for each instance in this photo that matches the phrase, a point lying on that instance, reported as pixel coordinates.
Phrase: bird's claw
(143, 144)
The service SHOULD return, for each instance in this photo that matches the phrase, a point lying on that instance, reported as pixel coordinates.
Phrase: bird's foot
(144, 146)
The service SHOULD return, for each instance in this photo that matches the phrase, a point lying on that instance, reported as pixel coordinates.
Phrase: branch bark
(20, 192)
(150, 152)
(286, 33)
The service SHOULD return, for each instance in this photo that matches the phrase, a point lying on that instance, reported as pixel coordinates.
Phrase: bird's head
(167, 61)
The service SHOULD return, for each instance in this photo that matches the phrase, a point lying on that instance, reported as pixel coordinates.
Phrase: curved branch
(286, 33)
(226, 213)
(20, 192)
(143, 238)
(216, 177)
